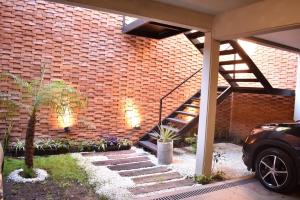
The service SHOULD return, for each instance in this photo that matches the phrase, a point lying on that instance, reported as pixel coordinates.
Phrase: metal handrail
(163, 97)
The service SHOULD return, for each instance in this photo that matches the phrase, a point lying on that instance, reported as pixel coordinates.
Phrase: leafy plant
(218, 176)
(101, 145)
(9, 108)
(56, 94)
(165, 135)
(193, 142)
(124, 142)
(19, 145)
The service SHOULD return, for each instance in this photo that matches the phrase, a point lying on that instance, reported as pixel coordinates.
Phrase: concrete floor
(251, 190)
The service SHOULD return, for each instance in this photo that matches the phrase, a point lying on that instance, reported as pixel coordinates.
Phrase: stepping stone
(107, 153)
(160, 186)
(125, 155)
(139, 172)
(129, 166)
(157, 178)
(120, 161)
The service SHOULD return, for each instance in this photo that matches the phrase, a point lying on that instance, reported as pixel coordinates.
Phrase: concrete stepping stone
(120, 161)
(106, 153)
(139, 172)
(160, 186)
(125, 155)
(129, 166)
(157, 178)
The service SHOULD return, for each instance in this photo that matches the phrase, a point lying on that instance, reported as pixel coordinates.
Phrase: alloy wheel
(273, 171)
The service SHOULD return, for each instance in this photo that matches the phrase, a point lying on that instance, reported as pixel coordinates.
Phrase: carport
(272, 23)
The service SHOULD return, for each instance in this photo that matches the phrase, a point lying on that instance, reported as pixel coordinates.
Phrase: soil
(47, 190)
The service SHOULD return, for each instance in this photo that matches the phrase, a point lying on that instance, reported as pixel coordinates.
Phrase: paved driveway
(243, 189)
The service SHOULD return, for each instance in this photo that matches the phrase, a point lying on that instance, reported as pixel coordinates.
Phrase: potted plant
(165, 139)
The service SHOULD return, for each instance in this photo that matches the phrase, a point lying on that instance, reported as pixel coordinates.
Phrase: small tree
(55, 94)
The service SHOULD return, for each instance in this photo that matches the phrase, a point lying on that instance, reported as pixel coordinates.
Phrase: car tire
(280, 177)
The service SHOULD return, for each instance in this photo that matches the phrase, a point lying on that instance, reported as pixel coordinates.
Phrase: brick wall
(250, 110)
(87, 49)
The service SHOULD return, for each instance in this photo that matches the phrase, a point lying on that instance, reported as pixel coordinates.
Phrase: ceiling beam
(149, 9)
(272, 44)
(257, 18)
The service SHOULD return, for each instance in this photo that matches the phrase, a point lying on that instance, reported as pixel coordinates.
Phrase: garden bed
(54, 147)
(67, 180)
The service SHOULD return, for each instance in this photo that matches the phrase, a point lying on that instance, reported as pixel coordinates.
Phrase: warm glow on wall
(249, 47)
(132, 115)
(66, 119)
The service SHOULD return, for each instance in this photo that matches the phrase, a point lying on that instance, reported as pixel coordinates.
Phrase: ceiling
(288, 38)
(212, 7)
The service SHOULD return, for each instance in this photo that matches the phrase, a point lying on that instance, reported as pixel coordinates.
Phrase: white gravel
(106, 181)
(231, 163)
(111, 184)
(14, 176)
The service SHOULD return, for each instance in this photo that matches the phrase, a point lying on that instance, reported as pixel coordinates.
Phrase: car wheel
(275, 170)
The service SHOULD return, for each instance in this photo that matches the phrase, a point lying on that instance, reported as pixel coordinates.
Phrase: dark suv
(273, 152)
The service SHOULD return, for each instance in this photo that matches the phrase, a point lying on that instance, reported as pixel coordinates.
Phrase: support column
(208, 104)
(297, 93)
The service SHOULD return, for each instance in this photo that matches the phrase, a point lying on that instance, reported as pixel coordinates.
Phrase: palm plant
(166, 135)
(55, 94)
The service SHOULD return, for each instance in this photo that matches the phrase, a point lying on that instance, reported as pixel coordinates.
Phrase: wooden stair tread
(228, 52)
(199, 45)
(149, 145)
(194, 35)
(243, 80)
(186, 113)
(235, 71)
(191, 105)
(177, 120)
(232, 62)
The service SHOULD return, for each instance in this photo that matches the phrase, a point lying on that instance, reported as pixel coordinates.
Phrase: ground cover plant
(67, 180)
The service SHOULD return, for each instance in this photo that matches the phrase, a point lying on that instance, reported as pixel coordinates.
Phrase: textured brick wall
(250, 110)
(87, 49)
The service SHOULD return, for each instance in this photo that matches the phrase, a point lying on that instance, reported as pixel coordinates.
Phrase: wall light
(66, 119)
(132, 115)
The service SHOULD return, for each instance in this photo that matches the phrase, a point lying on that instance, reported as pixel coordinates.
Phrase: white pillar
(297, 93)
(208, 103)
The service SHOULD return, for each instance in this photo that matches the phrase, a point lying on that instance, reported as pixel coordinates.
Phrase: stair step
(153, 135)
(130, 166)
(177, 120)
(228, 52)
(195, 98)
(232, 62)
(148, 145)
(199, 45)
(147, 171)
(170, 128)
(194, 35)
(108, 153)
(156, 178)
(120, 161)
(160, 186)
(186, 113)
(243, 80)
(240, 71)
(191, 105)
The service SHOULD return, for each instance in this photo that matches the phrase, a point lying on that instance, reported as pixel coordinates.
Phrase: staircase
(183, 119)
(235, 66)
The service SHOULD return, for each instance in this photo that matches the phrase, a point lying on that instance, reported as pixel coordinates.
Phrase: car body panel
(285, 136)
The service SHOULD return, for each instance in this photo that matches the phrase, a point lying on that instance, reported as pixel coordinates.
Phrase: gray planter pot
(164, 152)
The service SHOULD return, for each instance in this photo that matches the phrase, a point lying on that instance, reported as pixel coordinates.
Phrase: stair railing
(171, 91)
